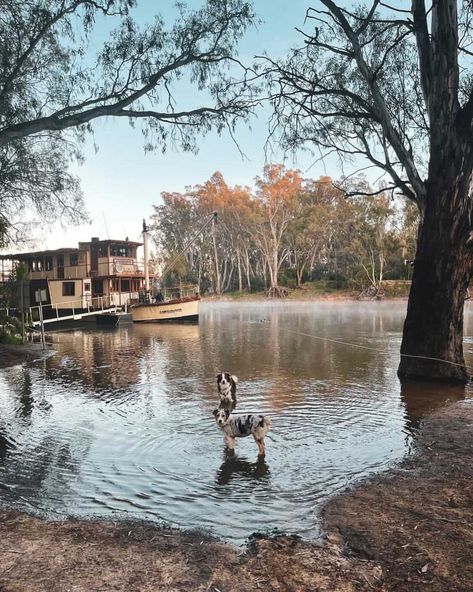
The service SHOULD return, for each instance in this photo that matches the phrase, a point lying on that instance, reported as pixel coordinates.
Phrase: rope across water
(469, 369)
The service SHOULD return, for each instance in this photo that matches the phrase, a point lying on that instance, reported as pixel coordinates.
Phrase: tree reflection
(420, 399)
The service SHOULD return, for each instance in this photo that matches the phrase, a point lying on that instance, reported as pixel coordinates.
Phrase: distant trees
(53, 85)
(283, 232)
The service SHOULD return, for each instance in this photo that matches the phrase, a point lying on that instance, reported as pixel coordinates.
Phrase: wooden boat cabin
(96, 274)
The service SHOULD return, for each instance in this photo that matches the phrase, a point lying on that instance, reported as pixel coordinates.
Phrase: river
(119, 422)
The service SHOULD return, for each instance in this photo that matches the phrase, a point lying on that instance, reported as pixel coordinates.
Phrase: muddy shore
(408, 530)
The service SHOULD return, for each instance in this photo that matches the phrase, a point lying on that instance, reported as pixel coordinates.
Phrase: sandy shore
(407, 530)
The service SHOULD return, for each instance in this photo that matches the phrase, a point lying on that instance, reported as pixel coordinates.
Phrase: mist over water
(119, 422)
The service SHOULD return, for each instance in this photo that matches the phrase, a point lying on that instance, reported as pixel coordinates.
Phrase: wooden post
(43, 340)
(22, 312)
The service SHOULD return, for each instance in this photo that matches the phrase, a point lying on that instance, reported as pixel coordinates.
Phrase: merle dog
(240, 426)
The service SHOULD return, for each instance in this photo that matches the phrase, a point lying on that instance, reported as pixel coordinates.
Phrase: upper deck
(97, 258)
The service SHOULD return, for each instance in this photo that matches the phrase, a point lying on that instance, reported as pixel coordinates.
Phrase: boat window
(39, 264)
(74, 259)
(119, 251)
(87, 287)
(125, 285)
(48, 263)
(68, 288)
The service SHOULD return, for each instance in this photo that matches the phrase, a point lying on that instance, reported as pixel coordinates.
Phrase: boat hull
(177, 310)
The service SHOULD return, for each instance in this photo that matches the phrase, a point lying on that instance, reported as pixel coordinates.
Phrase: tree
(393, 86)
(210, 197)
(310, 229)
(51, 83)
(35, 184)
(276, 198)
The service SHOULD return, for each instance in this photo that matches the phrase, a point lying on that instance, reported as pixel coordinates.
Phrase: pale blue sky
(121, 183)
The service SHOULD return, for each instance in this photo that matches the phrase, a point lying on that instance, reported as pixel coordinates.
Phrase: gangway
(87, 311)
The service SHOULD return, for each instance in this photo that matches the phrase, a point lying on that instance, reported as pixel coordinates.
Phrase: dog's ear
(227, 413)
(214, 412)
(234, 378)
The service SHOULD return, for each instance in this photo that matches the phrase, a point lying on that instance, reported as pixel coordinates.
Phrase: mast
(145, 249)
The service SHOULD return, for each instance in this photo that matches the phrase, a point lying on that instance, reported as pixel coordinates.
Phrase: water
(119, 422)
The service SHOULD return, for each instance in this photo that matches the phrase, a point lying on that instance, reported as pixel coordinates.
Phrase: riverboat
(182, 308)
(179, 304)
(78, 282)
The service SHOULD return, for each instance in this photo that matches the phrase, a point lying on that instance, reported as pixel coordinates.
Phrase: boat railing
(179, 292)
(88, 304)
(166, 294)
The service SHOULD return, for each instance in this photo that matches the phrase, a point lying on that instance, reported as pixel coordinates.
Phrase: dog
(226, 385)
(240, 426)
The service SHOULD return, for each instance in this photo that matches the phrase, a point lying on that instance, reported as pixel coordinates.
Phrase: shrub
(10, 330)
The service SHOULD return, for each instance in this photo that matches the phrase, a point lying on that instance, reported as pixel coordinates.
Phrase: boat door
(60, 267)
(94, 260)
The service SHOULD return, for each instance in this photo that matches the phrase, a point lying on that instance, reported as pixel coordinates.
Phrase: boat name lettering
(170, 310)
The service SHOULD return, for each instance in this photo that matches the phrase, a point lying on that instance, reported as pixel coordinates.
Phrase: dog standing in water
(226, 385)
(240, 426)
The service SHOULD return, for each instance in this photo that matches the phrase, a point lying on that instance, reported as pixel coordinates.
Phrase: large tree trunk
(434, 324)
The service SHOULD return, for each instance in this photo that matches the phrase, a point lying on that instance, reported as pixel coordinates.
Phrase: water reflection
(235, 467)
(26, 400)
(420, 399)
(120, 421)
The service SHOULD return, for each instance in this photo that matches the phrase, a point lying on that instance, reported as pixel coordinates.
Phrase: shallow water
(119, 422)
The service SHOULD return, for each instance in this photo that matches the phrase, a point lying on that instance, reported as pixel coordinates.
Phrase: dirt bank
(407, 531)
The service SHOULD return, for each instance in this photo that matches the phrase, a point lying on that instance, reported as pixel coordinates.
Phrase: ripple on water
(119, 423)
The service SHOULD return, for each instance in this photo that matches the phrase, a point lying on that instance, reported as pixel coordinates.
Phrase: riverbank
(322, 290)
(407, 530)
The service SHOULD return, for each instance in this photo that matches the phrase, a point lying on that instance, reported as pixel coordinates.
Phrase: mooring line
(382, 351)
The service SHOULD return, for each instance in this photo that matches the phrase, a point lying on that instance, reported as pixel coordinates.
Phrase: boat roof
(82, 246)
(37, 253)
(108, 241)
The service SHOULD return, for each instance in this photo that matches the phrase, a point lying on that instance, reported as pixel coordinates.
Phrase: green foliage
(55, 79)
(10, 329)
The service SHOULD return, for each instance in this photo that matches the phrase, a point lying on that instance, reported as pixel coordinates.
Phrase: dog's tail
(235, 378)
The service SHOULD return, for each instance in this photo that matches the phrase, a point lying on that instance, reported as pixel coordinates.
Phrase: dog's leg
(230, 442)
(261, 446)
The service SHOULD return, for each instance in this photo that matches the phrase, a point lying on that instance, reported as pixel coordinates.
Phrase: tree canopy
(374, 83)
(55, 81)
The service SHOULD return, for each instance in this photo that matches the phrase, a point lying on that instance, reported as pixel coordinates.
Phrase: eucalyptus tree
(309, 232)
(277, 196)
(57, 77)
(390, 85)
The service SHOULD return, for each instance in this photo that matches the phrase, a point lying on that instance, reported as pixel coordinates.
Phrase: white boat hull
(179, 309)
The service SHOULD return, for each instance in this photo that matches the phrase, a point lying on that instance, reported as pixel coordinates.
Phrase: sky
(121, 183)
